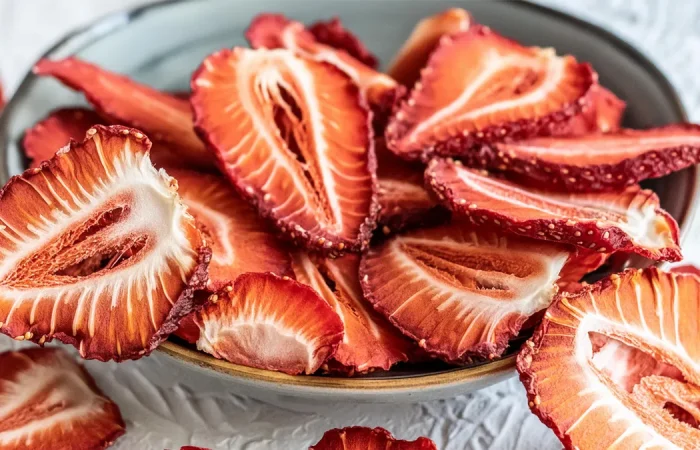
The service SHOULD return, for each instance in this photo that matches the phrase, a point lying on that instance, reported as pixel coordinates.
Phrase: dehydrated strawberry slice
(276, 31)
(595, 162)
(413, 55)
(334, 34)
(274, 121)
(44, 139)
(370, 341)
(164, 117)
(580, 263)
(686, 268)
(50, 402)
(458, 293)
(629, 221)
(97, 250)
(481, 87)
(270, 322)
(613, 365)
(363, 438)
(604, 116)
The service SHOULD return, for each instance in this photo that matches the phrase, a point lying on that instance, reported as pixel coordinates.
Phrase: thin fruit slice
(403, 200)
(273, 120)
(686, 268)
(44, 139)
(50, 402)
(458, 293)
(594, 162)
(370, 341)
(481, 87)
(604, 367)
(97, 250)
(164, 117)
(580, 263)
(276, 31)
(334, 34)
(604, 115)
(363, 438)
(270, 322)
(628, 221)
(413, 55)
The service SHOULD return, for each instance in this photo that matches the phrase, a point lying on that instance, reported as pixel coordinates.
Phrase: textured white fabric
(161, 413)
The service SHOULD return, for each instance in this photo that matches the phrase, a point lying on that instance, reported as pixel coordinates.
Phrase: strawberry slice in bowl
(97, 249)
(461, 294)
(363, 438)
(628, 221)
(50, 401)
(481, 87)
(604, 115)
(273, 119)
(334, 34)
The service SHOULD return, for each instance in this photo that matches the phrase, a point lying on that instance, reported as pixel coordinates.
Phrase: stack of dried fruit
(272, 240)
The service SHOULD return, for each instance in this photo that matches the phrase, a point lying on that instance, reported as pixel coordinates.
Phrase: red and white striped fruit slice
(481, 87)
(617, 364)
(294, 137)
(628, 221)
(363, 438)
(50, 402)
(461, 294)
(97, 250)
(370, 341)
(270, 322)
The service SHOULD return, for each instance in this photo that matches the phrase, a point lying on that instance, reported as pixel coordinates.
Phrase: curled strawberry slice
(458, 293)
(595, 162)
(581, 263)
(294, 137)
(49, 401)
(604, 115)
(480, 87)
(628, 221)
(44, 139)
(616, 364)
(164, 117)
(334, 34)
(97, 250)
(370, 341)
(363, 438)
(270, 322)
(424, 38)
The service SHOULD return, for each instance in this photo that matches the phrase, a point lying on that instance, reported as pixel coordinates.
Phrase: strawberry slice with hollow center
(49, 402)
(423, 40)
(363, 438)
(629, 221)
(164, 117)
(293, 135)
(595, 162)
(481, 87)
(270, 322)
(458, 293)
(370, 341)
(97, 250)
(44, 139)
(613, 365)
(334, 34)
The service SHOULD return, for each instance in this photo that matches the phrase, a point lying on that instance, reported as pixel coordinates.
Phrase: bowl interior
(161, 45)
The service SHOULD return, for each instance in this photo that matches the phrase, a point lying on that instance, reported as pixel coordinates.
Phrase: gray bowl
(163, 43)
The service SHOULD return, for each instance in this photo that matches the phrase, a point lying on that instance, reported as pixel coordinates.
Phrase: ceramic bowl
(163, 43)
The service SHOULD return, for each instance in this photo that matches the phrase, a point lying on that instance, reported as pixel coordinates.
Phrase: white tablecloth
(161, 413)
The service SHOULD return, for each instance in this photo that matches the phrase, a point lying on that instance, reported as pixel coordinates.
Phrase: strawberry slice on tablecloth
(628, 221)
(363, 438)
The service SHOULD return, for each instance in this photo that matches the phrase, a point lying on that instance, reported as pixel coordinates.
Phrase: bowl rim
(75, 40)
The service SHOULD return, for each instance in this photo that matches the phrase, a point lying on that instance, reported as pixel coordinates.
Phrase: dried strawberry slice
(686, 268)
(413, 55)
(629, 221)
(97, 250)
(334, 34)
(270, 322)
(481, 87)
(49, 401)
(44, 139)
(363, 438)
(187, 328)
(273, 120)
(370, 341)
(580, 263)
(458, 293)
(164, 117)
(604, 368)
(605, 114)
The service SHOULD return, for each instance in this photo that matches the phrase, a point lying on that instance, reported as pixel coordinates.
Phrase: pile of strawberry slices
(301, 211)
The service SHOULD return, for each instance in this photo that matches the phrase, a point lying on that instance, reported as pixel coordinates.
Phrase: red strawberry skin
(334, 34)
(363, 438)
